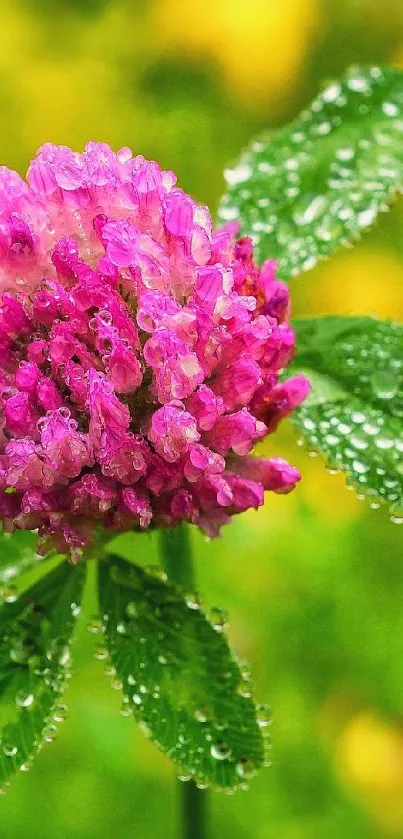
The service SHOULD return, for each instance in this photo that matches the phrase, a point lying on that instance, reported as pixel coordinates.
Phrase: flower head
(140, 353)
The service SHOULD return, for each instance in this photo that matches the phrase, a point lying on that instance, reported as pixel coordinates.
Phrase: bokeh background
(314, 582)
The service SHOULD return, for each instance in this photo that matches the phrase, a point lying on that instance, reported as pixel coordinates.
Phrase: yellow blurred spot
(66, 107)
(19, 36)
(365, 281)
(370, 762)
(260, 44)
(324, 493)
(65, 81)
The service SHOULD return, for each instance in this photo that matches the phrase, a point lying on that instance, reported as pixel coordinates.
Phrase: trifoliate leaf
(35, 635)
(354, 414)
(320, 181)
(179, 677)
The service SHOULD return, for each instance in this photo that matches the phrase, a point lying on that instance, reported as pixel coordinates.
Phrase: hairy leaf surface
(354, 414)
(320, 181)
(179, 677)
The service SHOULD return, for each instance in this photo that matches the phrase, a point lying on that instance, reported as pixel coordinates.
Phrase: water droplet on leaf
(220, 750)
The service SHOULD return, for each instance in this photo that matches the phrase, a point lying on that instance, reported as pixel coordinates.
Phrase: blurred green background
(313, 582)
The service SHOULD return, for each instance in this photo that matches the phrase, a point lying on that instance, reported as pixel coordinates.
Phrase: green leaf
(35, 637)
(354, 414)
(179, 677)
(320, 181)
(17, 554)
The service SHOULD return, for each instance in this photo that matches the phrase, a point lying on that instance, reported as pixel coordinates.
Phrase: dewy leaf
(179, 677)
(320, 181)
(35, 636)
(17, 554)
(354, 414)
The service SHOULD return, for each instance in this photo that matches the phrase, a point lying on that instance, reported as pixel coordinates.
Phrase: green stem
(176, 558)
(193, 803)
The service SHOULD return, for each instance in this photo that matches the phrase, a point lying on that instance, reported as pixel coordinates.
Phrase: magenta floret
(140, 353)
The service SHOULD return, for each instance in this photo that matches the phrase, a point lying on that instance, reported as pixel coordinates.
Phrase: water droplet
(332, 439)
(245, 768)
(308, 424)
(95, 625)
(238, 175)
(64, 412)
(220, 750)
(58, 652)
(219, 619)
(390, 109)
(131, 610)
(24, 699)
(345, 154)
(263, 715)
(105, 317)
(371, 427)
(201, 715)
(193, 600)
(384, 440)
(60, 713)
(126, 710)
(309, 209)
(358, 417)
(366, 217)
(9, 749)
(331, 93)
(359, 84)
(155, 570)
(50, 734)
(9, 594)
(384, 384)
(359, 441)
(396, 511)
(25, 767)
(244, 689)
(21, 651)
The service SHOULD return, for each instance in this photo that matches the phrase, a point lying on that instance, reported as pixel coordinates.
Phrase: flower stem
(193, 806)
(176, 557)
